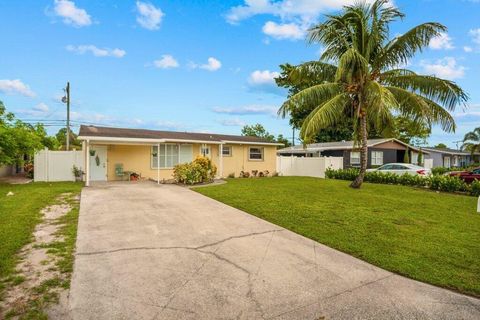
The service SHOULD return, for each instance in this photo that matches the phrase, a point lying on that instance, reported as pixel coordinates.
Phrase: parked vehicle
(467, 176)
(402, 168)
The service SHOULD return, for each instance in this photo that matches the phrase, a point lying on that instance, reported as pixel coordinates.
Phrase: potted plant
(78, 173)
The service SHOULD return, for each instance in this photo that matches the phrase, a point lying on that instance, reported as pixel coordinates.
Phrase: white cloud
(261, 78)
(167, 61)
(41, 107)
(247, 110)
(235, 122)
(97, 52)
(475, 34)
(446, 68)
(211, 65)
(305, 10)
(149, 16)
(71, 14)
(467, 49)
(442, 41)
(283, 31)
(16, 87)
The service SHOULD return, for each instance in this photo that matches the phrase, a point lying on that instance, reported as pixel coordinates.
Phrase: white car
(402, 168)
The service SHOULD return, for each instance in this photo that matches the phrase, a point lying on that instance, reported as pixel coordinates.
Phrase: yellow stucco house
(152, 154)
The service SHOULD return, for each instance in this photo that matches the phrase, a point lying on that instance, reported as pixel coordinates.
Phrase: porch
(119, 161)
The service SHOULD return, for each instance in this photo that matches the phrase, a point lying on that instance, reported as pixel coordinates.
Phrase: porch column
(221, 160)
(158, 163)
(87, 163)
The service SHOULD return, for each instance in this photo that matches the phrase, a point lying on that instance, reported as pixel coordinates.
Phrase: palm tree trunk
(363, 153)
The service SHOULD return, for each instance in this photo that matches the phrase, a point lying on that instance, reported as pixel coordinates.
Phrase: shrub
(475, 188)
(199, 170)
(440, 170)
(231, 175)
(435, 182)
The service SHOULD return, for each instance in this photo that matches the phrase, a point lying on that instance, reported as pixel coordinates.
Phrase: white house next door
(98, 163)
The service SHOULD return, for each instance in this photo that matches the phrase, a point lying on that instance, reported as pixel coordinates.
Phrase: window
(255, 153)
(227, 151)
(386, 167)
(170, 155)
(354, 157)
(377, 158)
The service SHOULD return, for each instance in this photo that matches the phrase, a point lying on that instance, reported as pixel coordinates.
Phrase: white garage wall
(57, 165)
(309, 167)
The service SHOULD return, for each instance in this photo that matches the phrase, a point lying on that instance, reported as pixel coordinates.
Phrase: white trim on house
(262, 153)
(150, 141)
(253, 143)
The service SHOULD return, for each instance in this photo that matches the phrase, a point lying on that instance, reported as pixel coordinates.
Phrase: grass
(428, 236)
(20, 213)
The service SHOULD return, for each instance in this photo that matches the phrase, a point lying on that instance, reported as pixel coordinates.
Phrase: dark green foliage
(436, 182)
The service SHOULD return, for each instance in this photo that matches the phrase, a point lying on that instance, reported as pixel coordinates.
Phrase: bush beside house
(200, 170)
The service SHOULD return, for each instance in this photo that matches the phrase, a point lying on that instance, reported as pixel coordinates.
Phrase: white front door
(446, 162)
(98, 163)
(205, 151)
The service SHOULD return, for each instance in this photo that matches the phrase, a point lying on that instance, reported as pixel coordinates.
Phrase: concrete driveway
(147, 251)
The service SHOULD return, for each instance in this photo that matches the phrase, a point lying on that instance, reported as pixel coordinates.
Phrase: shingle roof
(447, 151)
(109, 132)
(337, 145)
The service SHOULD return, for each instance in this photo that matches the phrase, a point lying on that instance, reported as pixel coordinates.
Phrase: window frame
(351, 157)
(374, 158)
(262, 153)
(229, 152)
(153, 163)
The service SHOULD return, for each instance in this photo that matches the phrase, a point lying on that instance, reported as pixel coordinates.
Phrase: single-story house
(445, 157)
(380, 151)
(152, 154)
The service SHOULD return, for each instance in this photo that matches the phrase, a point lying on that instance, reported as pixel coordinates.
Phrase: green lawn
(21, 212)
(428, 236)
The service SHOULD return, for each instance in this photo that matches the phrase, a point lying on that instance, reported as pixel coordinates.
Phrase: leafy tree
(20, 140)
(441, 146)
(62, 139)
(257, 130)
(471, 141)
(359, 77)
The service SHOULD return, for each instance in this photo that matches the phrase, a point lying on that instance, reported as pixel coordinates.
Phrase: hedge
(433, 182)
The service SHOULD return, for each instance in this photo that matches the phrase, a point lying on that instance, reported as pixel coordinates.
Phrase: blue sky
(196, 65)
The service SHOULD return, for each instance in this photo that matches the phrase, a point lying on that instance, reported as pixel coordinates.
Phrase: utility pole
(67, 98)
(293, 137)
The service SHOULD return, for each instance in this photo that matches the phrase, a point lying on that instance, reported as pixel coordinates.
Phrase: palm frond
(418, 107)
(313, 96)
(351, 65)
(325, 115)
(313, 71)
(445, 92)
(399, 50)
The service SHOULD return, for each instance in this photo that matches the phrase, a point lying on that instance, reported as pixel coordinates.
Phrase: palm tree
(359, 75)
(471, 141)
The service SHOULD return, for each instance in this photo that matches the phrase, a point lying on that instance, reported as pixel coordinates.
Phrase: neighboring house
(153, 154)
(380, 151)
(444, 157)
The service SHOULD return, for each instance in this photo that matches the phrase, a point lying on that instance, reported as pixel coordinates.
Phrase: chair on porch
(120, 173)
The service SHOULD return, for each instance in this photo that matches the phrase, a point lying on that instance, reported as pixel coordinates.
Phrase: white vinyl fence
(57, 165)
(310, 167)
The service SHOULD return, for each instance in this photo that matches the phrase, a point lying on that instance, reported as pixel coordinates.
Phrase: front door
(446, 162)
(98, 163)
(205, 151)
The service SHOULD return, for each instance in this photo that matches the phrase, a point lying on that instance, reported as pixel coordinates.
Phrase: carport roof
(105, 133)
